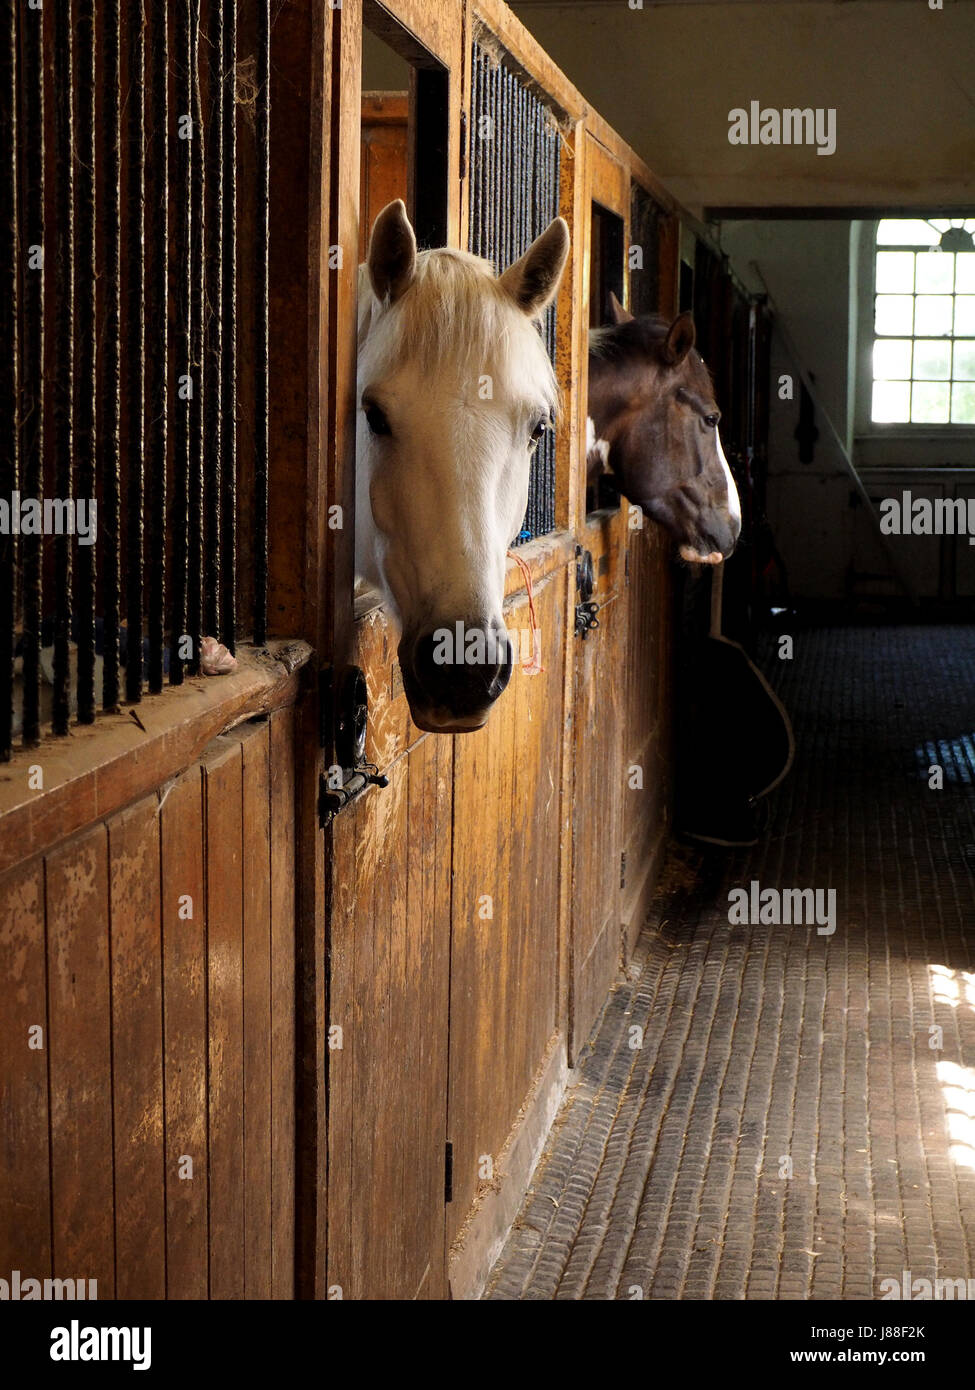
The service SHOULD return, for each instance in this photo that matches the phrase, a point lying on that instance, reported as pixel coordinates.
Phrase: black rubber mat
(773, 1111)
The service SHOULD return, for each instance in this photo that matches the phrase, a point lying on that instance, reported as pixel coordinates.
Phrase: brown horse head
(655, 421)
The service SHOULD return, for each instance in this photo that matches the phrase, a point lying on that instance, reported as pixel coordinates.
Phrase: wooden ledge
(103, 766)
(542, 557)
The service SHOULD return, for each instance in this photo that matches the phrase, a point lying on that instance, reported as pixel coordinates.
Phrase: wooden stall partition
(382, 169)
(149, 1061)
(599, 662)
(646, 714)
(645, 718)
(387, 1062)
(388, 852)
(507, 1045)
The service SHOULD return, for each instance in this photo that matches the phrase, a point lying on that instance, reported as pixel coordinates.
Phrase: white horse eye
(376, 419)
(538, 431)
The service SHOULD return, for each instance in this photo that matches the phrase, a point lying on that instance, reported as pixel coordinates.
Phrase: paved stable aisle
(768, 1045)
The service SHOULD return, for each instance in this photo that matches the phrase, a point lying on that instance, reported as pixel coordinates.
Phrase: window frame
(864, 426)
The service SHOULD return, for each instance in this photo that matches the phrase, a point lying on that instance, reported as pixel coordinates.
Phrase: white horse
(454, 390)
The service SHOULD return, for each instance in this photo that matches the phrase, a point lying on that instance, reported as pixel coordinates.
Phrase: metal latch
(586, 610)
(343, 702)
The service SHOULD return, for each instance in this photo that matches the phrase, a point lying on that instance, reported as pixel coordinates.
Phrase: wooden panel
(383, 159)
(388, 994)
(283, 1033)
(645, 720)
(184, 1000)
(136, 956)
(25, 1191)
(597, 795)
(109, 764)
(504, 970)
(222, 777)
(81, 1060)
(255, 750)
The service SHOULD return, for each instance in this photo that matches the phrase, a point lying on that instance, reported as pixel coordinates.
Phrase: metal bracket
(586, 610)
(343, 705)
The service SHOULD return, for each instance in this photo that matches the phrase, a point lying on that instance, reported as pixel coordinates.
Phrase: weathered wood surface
(382, 166)
(156, 951)
(104, 766)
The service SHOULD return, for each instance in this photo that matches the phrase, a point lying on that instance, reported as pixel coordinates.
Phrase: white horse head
(454, 389)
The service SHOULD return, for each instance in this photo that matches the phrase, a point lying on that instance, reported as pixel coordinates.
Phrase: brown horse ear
(533, 280)
(679, 340)
(620, 315)
(392, 252)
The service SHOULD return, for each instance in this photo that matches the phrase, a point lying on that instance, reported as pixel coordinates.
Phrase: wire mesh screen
(133, 381)
(514, 182)
(645, 239)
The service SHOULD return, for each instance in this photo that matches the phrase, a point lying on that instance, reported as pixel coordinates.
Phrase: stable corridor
(800, 1119)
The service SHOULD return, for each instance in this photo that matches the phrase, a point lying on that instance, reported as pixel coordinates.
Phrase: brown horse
(655, 428)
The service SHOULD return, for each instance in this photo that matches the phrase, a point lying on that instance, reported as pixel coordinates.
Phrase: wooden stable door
(599, 659)
(597, 826)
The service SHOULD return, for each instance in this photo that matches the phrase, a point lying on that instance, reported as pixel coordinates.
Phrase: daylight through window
(924, 323)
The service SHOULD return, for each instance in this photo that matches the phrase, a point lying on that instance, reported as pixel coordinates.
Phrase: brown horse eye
(711, 420)
(375, 419)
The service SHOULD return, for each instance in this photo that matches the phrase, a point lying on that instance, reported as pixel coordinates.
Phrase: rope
(532, 665)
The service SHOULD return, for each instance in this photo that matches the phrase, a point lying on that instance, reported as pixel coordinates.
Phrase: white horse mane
(455, 310)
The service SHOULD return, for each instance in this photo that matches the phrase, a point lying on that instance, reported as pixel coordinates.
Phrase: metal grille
(514, 182)
(134, 187)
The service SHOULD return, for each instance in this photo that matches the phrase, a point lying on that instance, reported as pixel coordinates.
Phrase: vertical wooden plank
(184, 994)
(347, 909)
(25, 1188)
(598, 833)
(79, 1012)
(136, 961)
(282, 793)
(255, 750)
(223, 797)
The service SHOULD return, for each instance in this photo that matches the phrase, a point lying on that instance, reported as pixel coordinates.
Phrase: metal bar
(492, 156)
(261, 330)
(9, 375)
(108, 432)
(505, 199)
(185, 385)
(213, 435)
(64, 336)
(157, 327)
(194, 587)
(228, 481)
(85, 417)
(32, 371)
(135, 354)
(473, 158)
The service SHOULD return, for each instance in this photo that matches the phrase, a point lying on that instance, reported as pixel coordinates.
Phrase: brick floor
(770, 1048)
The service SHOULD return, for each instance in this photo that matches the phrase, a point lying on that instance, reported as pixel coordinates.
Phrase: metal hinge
(586, 610)
(343, 714)
(448, 1172)
(463, 145)
(623, 869)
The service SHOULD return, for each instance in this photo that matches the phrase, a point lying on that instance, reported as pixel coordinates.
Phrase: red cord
(532, 666)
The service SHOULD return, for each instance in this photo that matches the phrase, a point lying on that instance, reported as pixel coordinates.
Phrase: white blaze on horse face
(734, 503)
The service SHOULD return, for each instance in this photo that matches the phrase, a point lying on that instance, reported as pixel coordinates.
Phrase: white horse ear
(679, 340)
(533, 281)
(620, 315)
(391, 260)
